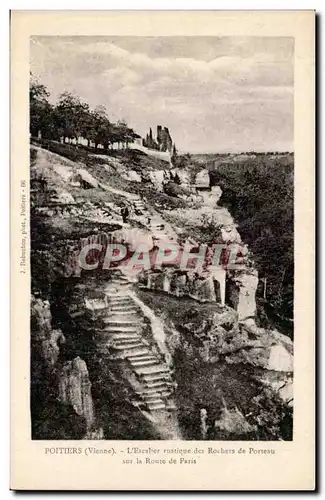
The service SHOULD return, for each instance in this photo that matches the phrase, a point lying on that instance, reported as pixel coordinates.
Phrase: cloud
(240, 98)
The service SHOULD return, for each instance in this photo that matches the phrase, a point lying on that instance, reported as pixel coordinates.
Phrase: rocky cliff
(109, 347)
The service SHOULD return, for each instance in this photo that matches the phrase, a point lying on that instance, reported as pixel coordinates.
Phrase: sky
(215, 94)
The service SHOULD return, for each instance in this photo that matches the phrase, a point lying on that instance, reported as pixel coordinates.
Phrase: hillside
(110, 345)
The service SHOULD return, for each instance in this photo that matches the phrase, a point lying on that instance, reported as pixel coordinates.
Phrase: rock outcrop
(44, 338)
(203, 286)
(202, 179)
(106, 352)
(65, 385)
(75, 390)
(241, 291)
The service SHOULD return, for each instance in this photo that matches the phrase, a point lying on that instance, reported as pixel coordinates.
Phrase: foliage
(71, 118)
(259, 194)
(41, 111)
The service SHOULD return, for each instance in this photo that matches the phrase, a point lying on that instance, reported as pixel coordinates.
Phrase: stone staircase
(160, 229)
(139, 205)
(122, 328)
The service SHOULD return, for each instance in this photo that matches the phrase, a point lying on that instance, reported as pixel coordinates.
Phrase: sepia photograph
(161, 203)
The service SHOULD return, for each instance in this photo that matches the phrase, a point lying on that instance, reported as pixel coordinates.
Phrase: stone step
(122, 321)
(139, 357)
(155, 369)
(140, 352)
(155, 395)
(148, 391)
(154, 400)
(155, 390)
(120, 295)
(158, 384)
(120, 299)
(122, 329)
(121, 282)
(166, 393)
(156, 406)
(127, 347)
(121, 303)
(141, 363)
(129, 279)
(170, 405)
(127, 342)
(155, 377)
(130, 340)
(120, 315)
(123, 336)
(125, 309)
(152, 395)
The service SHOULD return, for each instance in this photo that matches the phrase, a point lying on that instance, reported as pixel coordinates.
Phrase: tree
(174, 155)
(40, 110)
(72, 116)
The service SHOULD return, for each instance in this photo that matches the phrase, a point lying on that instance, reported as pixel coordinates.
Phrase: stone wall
(206, 287)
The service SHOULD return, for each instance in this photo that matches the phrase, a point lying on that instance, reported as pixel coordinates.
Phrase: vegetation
(259, 194)
(71, 119)
(257, 187)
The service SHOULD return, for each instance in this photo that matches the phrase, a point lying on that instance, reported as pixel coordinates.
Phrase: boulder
(242, 286)
(87, 179)
(202, 179)
(157, 178)
(280, 359)
(134, 176)
(234, 422)
(61, 197)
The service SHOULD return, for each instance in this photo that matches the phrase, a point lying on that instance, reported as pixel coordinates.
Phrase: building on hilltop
(163, 142)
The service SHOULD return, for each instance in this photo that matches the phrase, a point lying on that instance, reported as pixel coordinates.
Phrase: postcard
(162, 250)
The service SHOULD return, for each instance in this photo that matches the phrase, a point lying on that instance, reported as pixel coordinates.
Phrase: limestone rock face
(131, 175)
(40, 318)
(44, 338)
(61, 197)
(211, 197)
(260, 347)
(202, 179)
(51, 347)
(87, 178)
(157, 178)
(286, 393)
(203, 289)
(242, 286)
(281, 385)
(179, 284)
(280, 359)
(75, 389)
(182, 176)
(234, 422)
